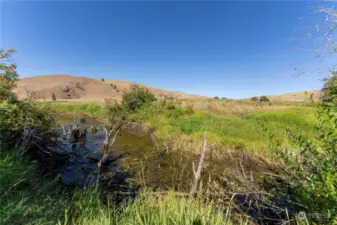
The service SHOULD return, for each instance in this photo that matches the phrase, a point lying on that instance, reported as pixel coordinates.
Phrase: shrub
(255, 99)
(264, 99)
(216, 97)
(13, 117)
(312, 171)
(53, 97)
(102, 80)
(136, 98)
(330, 89)
(8, 74)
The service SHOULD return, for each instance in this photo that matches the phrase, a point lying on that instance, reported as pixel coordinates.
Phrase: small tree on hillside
(255, 99)
(103, 79)
(53, 97)
(264, 99)
(216, 97)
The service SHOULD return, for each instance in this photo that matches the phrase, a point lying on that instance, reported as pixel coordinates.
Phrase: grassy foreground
(26, 198)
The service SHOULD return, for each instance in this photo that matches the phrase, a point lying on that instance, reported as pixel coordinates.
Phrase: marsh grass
(25, 197)
(148, 208)
(229, 131)
(90, 108)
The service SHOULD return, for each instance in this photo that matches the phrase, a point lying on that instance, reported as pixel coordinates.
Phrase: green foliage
(92, 109)
(17, 113)
(312, 170)
(12, 119)
(255, 99)
(8, 74)
(264, 99)
(136, 98)
(26, 199)
(148, 208)
(330, 89)
(132, 101)
(216, 97)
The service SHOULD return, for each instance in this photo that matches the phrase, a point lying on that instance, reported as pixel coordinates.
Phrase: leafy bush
(264, 99)
(18, 113)
(330, 89)
(312, 171)
(255, 99)
(8, 75)
(216, 97)
(136, 98)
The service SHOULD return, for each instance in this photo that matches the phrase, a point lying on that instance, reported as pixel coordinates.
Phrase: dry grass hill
(296, 97)
(83, 88)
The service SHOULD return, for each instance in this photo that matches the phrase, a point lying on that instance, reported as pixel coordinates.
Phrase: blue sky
(231, 49)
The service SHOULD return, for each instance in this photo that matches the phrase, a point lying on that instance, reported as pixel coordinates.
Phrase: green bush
(8, 75)
(255, 99)
(264, 99)
(312, 170)
(136, 98)
(330, 89)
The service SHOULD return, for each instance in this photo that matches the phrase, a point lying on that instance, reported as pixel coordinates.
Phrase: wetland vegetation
(132, 162)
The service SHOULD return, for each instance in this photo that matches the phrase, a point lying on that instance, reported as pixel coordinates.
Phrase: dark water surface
(136, 155)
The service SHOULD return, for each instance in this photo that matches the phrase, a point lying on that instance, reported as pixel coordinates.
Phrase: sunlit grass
(25, 197)
(148, 208)
(240, 131)
(90, 108)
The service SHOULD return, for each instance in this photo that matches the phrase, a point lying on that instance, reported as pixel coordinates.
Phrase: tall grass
(92, 109)
(147, 209)
(25, 197)
(231, 131)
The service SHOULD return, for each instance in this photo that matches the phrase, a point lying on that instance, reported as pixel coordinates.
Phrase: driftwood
(108, 142)
(197, 173)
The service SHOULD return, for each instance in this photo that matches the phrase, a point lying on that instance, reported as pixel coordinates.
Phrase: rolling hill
(84, 88)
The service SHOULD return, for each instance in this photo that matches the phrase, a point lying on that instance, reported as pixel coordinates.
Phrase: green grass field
(229, 129)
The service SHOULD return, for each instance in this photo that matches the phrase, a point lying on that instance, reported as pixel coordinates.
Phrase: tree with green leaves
(8, 74)
(330, 89)
(255, 99)
(264, 99)
(136, 98)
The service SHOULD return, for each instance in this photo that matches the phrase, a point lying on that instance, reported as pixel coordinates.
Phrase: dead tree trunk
(108, 142)
(197, 173)
(25, 131)
(105, 151)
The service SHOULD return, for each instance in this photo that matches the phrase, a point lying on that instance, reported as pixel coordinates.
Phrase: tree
(8, 74)
(216, 97)
(53, 97)
(255, 99)
(136, 98)
(103, 79)
(264, 99)
(330, 89)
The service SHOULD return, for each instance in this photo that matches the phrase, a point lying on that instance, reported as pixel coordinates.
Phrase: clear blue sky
(231, 49)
